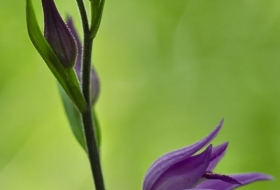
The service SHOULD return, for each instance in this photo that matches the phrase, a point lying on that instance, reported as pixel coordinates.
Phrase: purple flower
(58, 35)
(95, 85)
(182, 169)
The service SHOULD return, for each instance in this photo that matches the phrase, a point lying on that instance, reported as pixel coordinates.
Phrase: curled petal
(225, 178)
(185, 173)
(245, 179)
(165, 162)
(217, 154)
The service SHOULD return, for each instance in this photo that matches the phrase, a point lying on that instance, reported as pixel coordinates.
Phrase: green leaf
(96, 127)
(75, 120)
(66, 77)
(96, 15)
(74, 117)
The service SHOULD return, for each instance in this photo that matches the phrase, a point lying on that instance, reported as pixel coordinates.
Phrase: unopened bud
(94, 80)
(95, 86)
(58, 35)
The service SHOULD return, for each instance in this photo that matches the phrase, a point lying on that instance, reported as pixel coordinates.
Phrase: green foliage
(75, 119)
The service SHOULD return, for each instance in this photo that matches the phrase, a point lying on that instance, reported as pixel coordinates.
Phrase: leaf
(75, 120)
(96, 127)
(66, 77)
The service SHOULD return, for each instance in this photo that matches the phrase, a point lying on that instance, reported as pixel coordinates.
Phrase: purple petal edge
(169, 159)
(185, 173)
(218, 153)
(225, 178)
(245, 179)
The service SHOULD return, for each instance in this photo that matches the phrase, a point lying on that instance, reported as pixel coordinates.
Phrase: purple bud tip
(95, 87)
(58, 35)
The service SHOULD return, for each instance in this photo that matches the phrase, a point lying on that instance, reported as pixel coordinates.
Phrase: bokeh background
(170, 71)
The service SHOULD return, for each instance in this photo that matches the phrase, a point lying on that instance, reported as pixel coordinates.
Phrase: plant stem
(83, 13)
(92, 149)
(89, 133)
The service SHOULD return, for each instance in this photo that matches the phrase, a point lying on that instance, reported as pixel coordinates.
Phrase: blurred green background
(170, 70)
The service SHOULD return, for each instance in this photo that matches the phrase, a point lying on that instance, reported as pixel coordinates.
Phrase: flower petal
(225, 178)
(245, 179)
(185, 173)
(217, 154)
(169, 159)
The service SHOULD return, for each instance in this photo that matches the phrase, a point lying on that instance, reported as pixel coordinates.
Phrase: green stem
(83, 14)
(89, 133)
(92, 150)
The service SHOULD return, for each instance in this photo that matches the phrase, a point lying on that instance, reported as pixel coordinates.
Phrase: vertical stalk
(89, 133)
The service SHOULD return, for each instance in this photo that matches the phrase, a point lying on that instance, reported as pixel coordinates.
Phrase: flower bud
(58, 35)
(95, 85)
